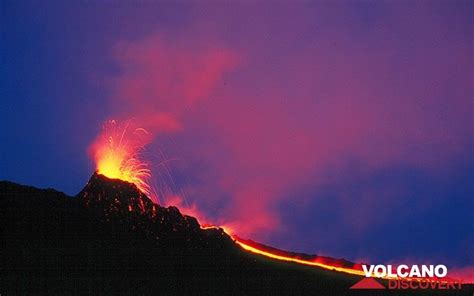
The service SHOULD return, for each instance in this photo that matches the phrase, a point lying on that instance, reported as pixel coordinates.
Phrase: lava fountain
(116, 153)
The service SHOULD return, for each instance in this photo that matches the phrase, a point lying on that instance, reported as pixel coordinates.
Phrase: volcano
(110, 239)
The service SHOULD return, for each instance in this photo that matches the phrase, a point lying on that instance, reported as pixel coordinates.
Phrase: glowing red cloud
(158, 76)
(264, 127)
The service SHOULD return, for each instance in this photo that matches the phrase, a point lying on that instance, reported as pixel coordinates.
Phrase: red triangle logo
(367, 283)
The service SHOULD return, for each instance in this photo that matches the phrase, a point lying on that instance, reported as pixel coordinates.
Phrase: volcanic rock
(111, 239)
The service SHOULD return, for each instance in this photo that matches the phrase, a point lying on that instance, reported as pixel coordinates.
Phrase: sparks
(117, 155)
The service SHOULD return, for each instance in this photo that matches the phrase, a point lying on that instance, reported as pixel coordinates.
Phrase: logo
(367, 283)
(405, 277)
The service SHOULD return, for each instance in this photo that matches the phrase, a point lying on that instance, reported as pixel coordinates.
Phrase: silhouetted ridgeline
(110, 239)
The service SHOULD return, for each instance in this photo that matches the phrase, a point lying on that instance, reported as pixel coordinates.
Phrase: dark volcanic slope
(121, 203)
(110, 239)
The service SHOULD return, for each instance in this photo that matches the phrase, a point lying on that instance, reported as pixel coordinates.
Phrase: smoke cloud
(256, 119)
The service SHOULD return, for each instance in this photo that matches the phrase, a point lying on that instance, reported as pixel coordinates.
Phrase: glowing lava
(254, 248)
(117, 155)
(280, 255)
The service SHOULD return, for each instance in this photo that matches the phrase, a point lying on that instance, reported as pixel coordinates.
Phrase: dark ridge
(122, 203)
(112, 240)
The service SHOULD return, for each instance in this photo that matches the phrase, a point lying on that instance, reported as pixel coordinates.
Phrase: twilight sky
(343, 129)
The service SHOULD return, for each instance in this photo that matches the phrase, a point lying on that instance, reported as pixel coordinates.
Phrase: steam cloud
(254, 131)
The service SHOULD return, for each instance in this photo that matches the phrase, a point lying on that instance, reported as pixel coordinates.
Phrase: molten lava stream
(255, 249)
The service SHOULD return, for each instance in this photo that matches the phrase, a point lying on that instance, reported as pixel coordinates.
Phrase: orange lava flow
(256, 250)
(354, 271)
(117, 155)
(225, 228)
